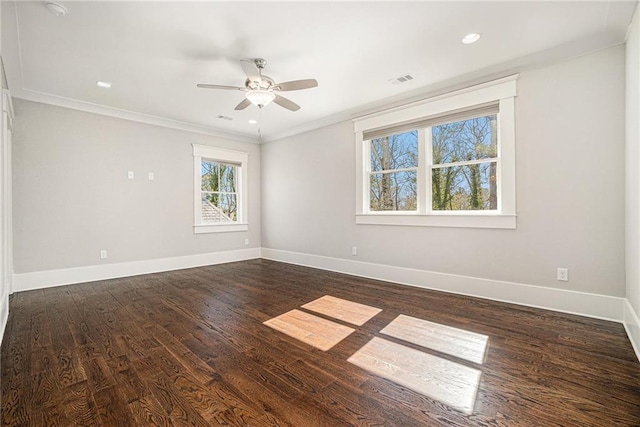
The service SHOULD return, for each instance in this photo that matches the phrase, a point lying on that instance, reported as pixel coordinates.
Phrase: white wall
(570, 191)
(5, 200)
(72, 197)
(4, 287)
(632, 181)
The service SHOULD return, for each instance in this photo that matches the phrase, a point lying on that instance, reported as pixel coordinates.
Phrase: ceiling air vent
(221, 117)
(401, 79)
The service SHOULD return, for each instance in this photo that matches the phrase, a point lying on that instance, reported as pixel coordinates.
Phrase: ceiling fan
(261, 90)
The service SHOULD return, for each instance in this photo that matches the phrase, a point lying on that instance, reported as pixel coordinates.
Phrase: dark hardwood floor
(189, 348)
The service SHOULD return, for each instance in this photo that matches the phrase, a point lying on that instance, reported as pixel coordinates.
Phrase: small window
(220, 190)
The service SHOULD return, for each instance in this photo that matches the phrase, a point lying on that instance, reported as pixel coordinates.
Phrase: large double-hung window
(446, 161)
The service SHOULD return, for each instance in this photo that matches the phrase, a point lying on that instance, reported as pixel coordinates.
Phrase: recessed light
(105, 85)
(253, 122)
(471, 38)
(56, 8)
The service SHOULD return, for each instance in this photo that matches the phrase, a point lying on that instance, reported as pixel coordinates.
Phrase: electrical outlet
(246, 242)
(130, 174)
(150, 176)
(563, 274)
(103, 254)
(354, 250)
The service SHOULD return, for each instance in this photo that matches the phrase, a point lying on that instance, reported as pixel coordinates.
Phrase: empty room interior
(320, 213)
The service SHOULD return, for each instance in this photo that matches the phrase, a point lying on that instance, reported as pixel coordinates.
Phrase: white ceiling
(154, 53)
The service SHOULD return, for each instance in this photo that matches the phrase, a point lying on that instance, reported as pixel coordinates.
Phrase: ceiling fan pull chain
(259, 125)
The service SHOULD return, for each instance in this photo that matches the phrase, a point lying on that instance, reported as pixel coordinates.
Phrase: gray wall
(632, 165)
(72, 197)
(570, 191)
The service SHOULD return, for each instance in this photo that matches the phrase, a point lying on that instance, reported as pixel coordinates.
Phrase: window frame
(241, 161)
(502, 91)
(221, 193)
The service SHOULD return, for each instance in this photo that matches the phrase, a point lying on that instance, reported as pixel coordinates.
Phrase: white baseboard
(4, 314)
(67, 276)
(580, 303)
(632, 325)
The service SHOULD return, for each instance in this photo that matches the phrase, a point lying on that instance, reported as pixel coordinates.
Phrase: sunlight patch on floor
(451, 383)
(342, 309)
(313, 330)
(445, 339)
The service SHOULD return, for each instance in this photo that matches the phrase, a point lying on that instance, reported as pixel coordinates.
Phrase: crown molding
(74, 104)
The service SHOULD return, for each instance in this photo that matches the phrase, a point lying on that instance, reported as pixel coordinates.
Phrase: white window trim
(502, 90)
(225, 156)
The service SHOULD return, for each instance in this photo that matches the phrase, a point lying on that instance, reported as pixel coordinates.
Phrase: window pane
(210, 210)
(210, 171)
(471, 139)
(229, 206)
(394, 191)
(211, 198)
(228, 178)
(395, 151)
(468, 187)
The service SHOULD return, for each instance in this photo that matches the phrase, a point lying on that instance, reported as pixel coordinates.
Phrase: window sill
(468, 221)
(219, 228)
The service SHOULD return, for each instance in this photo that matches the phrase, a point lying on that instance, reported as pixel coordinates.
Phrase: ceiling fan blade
(284, 102)
(244, 104)
(205, 86)
(250, 69)
(296, 85)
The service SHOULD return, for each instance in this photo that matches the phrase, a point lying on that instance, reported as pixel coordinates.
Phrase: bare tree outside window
(219, 192)
(463, 169)
(394, 168)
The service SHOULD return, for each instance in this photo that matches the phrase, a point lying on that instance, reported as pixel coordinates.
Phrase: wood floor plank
(180, 411)
(112, 409)
(129, 385)
(44, 388)
(98, 373)
(211, 409)
(147, 412)
(239, 407)
(189, 347)
(79, 405)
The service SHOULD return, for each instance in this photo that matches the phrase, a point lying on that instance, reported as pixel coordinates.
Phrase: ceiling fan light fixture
(260, 97)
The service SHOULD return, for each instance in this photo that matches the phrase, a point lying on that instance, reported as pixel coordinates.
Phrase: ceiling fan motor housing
(265, 82)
